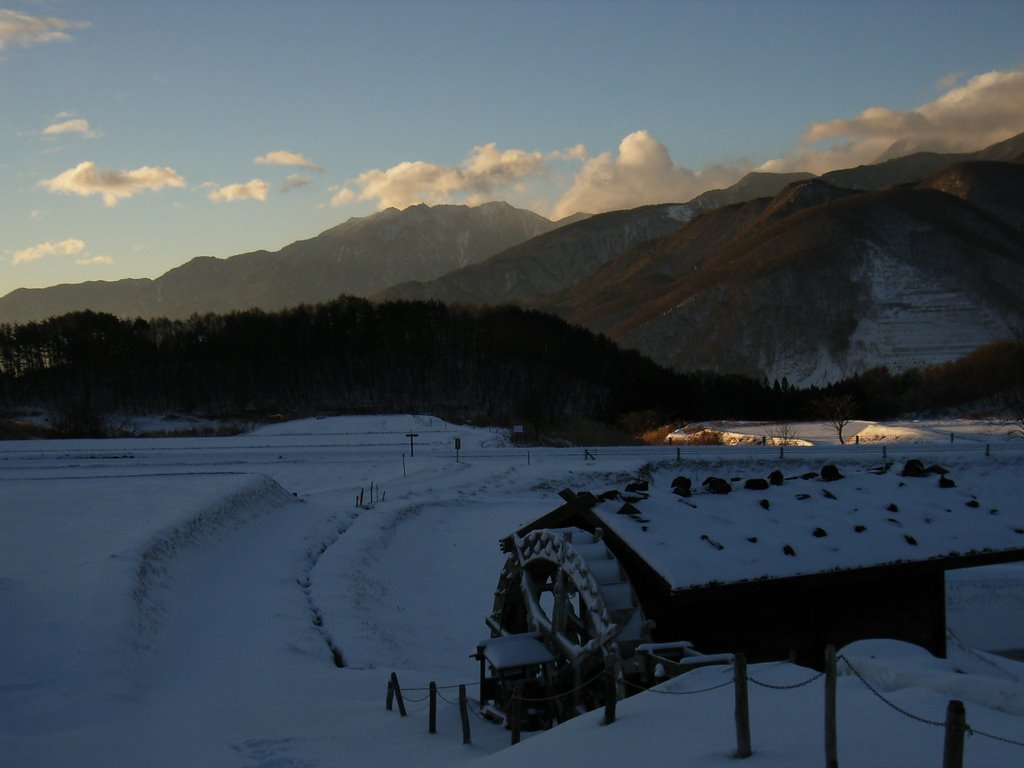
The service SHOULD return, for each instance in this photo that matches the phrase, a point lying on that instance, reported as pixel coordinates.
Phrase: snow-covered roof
(511, 651)
(806, 525)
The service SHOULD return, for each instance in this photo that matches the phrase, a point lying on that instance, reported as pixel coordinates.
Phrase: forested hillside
(495, 365)
(499, 365)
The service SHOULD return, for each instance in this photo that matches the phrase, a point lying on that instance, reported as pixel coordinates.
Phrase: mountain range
(818, 283)
(908, 262)
(359, 257)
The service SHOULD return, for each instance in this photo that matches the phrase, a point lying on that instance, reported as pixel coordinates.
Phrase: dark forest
(498, 365)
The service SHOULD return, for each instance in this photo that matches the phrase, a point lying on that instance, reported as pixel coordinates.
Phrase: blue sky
(135, 136)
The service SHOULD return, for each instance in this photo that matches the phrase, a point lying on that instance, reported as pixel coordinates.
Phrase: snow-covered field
(173, 602)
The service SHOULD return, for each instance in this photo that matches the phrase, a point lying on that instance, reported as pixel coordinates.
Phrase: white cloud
(294, 181)
(579, 152)
(481, 174)
(255, 189)
(63, 248)
(981, 111)
(37, 215)
(77, 125)
(86, 179)
(24, 30)
(91, 261)
(986, 109)
(284, 157)
(342, 196)
(642, 173)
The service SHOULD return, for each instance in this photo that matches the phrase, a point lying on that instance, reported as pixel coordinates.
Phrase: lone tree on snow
(837, 410)
(1013, 404)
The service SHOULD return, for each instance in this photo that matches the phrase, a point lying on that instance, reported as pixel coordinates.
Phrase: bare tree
(837, 410)
(779, 434)
(1013, 405)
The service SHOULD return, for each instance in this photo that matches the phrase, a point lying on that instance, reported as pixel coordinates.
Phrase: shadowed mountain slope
(359, 257)
(550, 262)
(820, 283)
(539, 268)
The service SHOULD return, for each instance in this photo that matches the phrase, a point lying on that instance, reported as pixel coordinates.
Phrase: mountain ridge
(357, 257)
(748, 286)
(905, 277)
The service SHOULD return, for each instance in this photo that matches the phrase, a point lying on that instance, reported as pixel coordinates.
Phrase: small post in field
(742, 706)
(956, 727)
(433, 707)
(464, 713)
(831, 753)
(397, 690)
(515, 716)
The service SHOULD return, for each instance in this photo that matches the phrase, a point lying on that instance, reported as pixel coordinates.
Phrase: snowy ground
(169, 602)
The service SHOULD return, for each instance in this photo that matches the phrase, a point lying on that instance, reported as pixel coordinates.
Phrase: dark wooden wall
(797, 617)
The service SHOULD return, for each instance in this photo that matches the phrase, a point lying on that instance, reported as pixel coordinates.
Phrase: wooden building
(781, 568)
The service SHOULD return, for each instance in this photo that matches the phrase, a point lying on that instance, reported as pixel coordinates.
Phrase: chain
(446, 701)
(871, 688)
(557, 696)
(678, 693)
(786, 687)
(973, 732)
(471, 710)
(967, 728)
(441, 687)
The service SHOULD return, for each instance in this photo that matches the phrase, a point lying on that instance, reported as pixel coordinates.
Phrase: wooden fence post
(464, 713)
(611, 692)
(956, 726)
(433, 707)
(742, 706)
(397, 690)
(515, 716)
(389, 702)
(831, 754)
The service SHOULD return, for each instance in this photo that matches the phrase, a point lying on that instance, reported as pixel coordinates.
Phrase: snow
(928, 431)
(941, 323)
(182, 602)
(873, 515)
(513, 651)
(683, 212)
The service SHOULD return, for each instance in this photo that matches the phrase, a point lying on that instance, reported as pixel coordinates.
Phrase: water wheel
(567, 586)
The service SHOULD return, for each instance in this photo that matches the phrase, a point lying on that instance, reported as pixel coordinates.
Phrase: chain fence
(969, 730)
(659, 691)
(787, 687)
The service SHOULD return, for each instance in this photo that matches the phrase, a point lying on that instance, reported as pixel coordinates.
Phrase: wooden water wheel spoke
(566, 586)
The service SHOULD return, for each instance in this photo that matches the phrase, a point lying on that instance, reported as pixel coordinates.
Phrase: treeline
(989, 380)
(492, 365)
(350, 355)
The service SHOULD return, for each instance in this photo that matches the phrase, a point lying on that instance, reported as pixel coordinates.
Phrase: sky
(135, 136)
